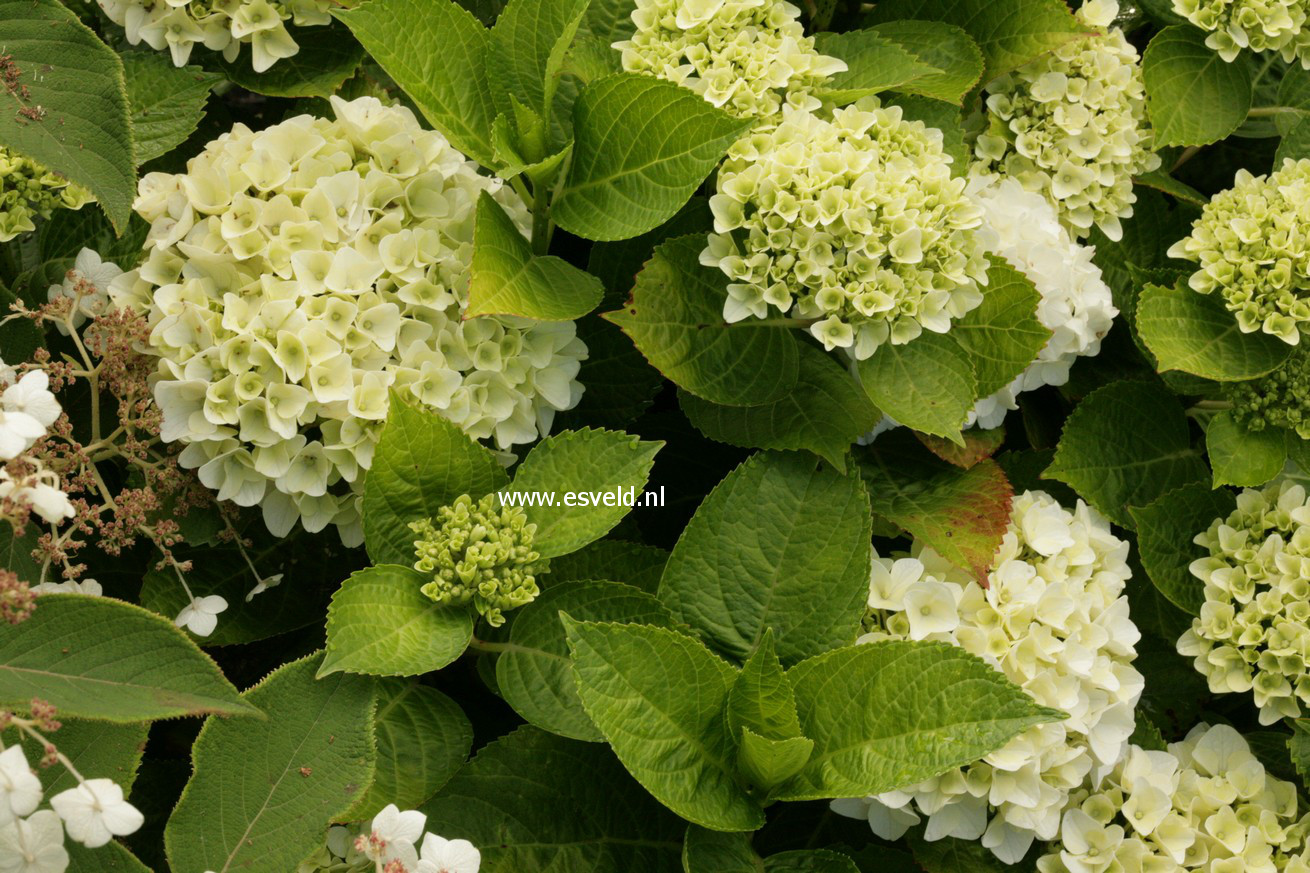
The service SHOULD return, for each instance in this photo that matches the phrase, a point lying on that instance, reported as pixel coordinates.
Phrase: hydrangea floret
(86, 285)
(218, 25)
(28, 410)
(1251, 634)
(854, 224)
(1072, 126)
(396, 840)
(1252, 247)
(29, 191)
(481, 553)
(1260, 25)
(1277, 399)
(296, 276)
(748, 57)
(1054, 619)
(1207, 803)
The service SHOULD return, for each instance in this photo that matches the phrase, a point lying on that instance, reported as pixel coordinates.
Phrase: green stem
(541, 223)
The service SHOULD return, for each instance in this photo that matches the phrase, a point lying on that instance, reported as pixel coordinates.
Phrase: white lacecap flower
(33, 845)
(88, 587)
(1054, 620)
(393, 835)
(95, 811)
(20, 790)
(440, 855)
(87, 284)
(298, 275)
(200, 615)
(1259, 25)
(27, 410)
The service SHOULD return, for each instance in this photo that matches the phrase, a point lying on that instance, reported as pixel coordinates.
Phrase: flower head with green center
(1277, 399)
(28, 191)
(855, 223)
(1252, 633)
(748, 57)
(479, 554)
(1253, 247)
(1072, 126)
(1260, 25)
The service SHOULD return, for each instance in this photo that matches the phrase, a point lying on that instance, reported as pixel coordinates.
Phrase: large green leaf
(634, 564)
(263, 792)
(1165, 529)
(642, 146)
(874, 64)
(327, 58)
(68, 108)
(809, 861)
(890, 714)
(381, 623)
(113, 857)
(528, 43)
(1002, 336)
(1193, 96)
(927, 384)
(658, 698)
(1195, 333)
(96, 657)
(706, 851)
(98, 749)
(1243, 457)
(781, 543)
(534, 801)
(167, 102)
(946, 47)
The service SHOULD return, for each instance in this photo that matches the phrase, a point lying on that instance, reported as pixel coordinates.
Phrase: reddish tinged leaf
(978, 444)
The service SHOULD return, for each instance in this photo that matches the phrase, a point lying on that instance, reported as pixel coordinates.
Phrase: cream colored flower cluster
(1252, 633)
(1072, 126)
(1205, 804)
(855, 223)
(218, 25)
(28, 191)
(1054, 619)
(1260, 25)
(748, 57)
(1252, 246)
(296, 276)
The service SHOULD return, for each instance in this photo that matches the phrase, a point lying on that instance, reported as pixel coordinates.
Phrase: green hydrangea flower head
(28, 190)
(1277, 399)
(1072, 126)
(854, 222)
(1252, 247)
(748, 57)
(1260, 25)
(480, 554)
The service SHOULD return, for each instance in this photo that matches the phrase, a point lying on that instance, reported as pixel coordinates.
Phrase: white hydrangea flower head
(1072, 126)
(747, 57)
(854, 222)
(1252, 634)
(1251, 246)
(296, 276)
(1054, 619)
(29, 190)
(1205, 804)
(1260, 25)
(87, 285)
(218, 25)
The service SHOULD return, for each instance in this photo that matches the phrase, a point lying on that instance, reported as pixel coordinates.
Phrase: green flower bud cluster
(855, 222)
(1072, 126)
(28, 190)
(1252, 633)
(1277, 399)
(479, 554)
(1260, 25)
(1252, 245)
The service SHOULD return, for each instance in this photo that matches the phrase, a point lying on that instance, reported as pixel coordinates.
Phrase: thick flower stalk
(219, 25)
(1054, 619)
(748, 57)
(1251, 634)
(1260, 25)
(479, 553)
(296, 276)
(1277, 399)
(1205, 804)
(29, 191)
(853, 225)
(1072, 126)
(1252, 248)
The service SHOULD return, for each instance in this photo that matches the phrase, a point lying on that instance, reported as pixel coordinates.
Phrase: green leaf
(634, 564)
(507, 279)
(534, 673)
(423, 738)
(1298, 746)
(73, 84)
(534, 801)
(263, 792)
(113, 857)
(16, 552)
(706, 851)
(767, 763)
(946, 117)
(944, 46)
(1002, 336)
(927, 384)
(1242, 457)
(810, 861)
(1125, 445)
(422, 463)
(1195, 333)
(642, 146)
(96, 657)
(603, 468)
(874, 63)
(97, 749)
(1193, 97)
(381, 623)
(951, 855)
(978, 445)
(824, 413)
(618, 263)
(620, 384)
(658, 697)
(675, 317)
(761, 698)
(1165, 530)
(327, 58)
(1163, 182)
(889, 714)
(437, 52)
(781, 543)
(528, 44)
(167, 102)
